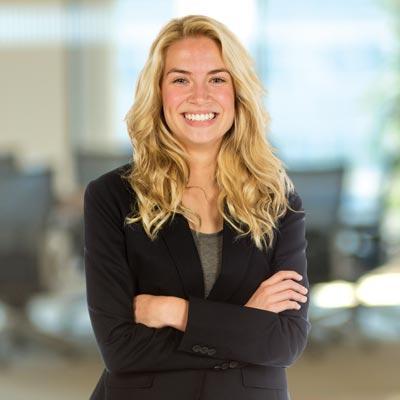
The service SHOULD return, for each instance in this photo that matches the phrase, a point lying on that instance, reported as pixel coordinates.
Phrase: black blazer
(228, 351)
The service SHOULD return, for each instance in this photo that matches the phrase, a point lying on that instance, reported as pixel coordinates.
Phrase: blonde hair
(253, 184)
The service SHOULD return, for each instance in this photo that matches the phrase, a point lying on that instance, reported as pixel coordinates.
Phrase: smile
(200, 117)
(200, 120)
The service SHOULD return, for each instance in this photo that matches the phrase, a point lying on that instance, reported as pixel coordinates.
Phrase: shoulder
(111, 189)
(294, 211)
(295, 200)
(111, 181)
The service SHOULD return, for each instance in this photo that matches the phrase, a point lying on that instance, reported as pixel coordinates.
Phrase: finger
(287, 295)
(285, 285)
(284, 274)
(286, 305)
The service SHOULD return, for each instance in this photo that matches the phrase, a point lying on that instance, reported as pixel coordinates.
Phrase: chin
(204, 142)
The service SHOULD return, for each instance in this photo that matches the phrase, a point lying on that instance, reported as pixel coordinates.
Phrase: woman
(194, 251)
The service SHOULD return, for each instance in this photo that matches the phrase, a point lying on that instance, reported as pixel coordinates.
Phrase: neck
(202, 170)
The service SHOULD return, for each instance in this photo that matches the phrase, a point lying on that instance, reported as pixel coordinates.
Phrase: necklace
(213, 217)
(203, 190)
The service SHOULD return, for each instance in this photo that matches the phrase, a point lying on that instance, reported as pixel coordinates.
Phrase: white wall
(53, 96)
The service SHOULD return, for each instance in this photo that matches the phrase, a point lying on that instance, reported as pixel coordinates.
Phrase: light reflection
(379, 289)
(335, 294)
(372, 290)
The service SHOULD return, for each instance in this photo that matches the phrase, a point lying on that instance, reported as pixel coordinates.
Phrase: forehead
(194, 53)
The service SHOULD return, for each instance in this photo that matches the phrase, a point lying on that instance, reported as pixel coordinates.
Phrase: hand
(278, 293)
(147, 310)
(161, 311)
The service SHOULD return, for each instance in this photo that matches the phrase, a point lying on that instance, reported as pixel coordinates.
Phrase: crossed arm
(278, 293)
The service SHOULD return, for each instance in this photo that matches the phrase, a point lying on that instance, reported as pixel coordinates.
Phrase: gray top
(209, 246)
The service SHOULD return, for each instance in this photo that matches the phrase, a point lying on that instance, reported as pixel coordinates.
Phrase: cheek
(170, 100)
(227, 100)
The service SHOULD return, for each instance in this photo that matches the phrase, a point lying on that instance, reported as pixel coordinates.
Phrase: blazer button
(225, 365)
(196, 348)
(211, 352)
(233, 364)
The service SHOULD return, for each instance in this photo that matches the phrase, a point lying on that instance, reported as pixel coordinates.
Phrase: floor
(340, 372)
(351, 372)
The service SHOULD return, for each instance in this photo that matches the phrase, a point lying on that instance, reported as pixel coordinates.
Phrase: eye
(179, 80)
(218, 79)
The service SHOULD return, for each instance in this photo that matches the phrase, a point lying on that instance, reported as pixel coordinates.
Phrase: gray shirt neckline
(206, 234)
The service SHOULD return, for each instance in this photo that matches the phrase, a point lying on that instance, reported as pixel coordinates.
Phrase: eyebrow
(182, 71)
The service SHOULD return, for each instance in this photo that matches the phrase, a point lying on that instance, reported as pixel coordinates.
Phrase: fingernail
(299, 277)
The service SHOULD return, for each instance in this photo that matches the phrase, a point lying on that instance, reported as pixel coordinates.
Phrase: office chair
(320, 190)
(7, 164)
(26, 200)
(90, 165)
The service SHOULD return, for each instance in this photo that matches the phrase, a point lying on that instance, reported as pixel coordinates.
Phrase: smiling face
(197, 93)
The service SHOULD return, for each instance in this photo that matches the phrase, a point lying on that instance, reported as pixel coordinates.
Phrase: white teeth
(199, 117)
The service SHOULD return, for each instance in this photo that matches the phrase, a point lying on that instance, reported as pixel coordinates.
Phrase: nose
(199, 93)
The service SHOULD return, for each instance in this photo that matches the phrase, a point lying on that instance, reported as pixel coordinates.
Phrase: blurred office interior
(332, 74)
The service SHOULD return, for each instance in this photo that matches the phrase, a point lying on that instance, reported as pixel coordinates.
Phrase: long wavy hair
(253, 185)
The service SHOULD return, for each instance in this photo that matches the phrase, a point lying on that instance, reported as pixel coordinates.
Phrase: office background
(68, 70)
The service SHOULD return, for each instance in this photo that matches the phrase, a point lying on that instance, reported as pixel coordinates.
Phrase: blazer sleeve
(124, 344)
(253, 335)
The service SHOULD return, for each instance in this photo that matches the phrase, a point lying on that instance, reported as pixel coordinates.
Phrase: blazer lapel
(235, 259)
